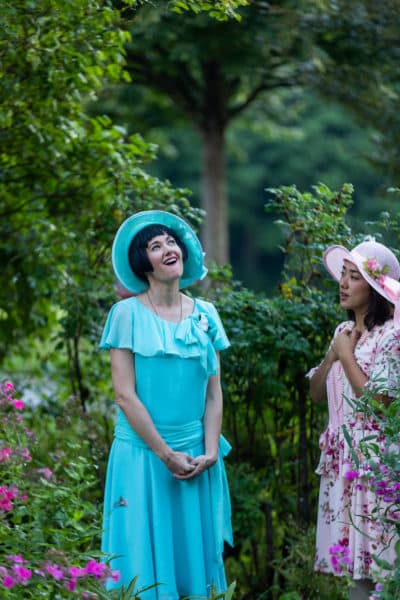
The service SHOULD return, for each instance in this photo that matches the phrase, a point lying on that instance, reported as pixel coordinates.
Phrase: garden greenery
(269, 419)
(67, 180)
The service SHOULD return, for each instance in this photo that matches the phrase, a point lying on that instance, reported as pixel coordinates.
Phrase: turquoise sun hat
(193, 267)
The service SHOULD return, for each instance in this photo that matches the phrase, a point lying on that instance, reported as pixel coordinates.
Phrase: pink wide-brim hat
(377, 265)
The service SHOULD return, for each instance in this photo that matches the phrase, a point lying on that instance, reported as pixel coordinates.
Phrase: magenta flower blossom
(351, 475)
(76, 572)
(5, 453)
(19, 404)
(8, 581)
(95, 568)
(7, 495)
(71, 585)
(16, 558)
(22, 574)
(340, 557)
(54, 570)
(8, 386)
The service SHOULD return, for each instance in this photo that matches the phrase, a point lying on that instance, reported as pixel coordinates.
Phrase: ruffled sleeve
(132, 325)
(385, 370)
(118, 330)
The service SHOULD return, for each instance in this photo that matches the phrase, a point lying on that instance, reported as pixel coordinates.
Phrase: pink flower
(7, 495)
(8, 581)
(340, 557)
(16, 558)
(77, 572)
(22, 574)
(46, 473)
(71, 585)
(18, 404)
(372, 264)
(350, 475)
(96, 569)
(5, 454)
(115, 575)
(54, 570)
(25, 454)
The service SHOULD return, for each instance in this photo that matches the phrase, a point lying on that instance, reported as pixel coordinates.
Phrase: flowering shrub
(49, 525)
(376, 463)
(340, 557)
(46, 527)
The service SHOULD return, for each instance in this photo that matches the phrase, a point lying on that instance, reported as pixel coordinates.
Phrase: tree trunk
(214, 233)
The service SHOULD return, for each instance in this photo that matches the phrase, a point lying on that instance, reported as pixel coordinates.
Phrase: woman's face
(165, 257)
(354, 290)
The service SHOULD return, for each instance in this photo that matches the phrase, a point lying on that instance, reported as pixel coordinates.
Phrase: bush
(49, 529)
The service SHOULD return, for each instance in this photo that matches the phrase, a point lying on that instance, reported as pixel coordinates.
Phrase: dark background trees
(272, 77)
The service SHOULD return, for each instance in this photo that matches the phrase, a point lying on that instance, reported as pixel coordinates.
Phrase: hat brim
(334, 258)
(193, 267)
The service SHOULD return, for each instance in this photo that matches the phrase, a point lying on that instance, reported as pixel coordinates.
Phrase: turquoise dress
(161, 529)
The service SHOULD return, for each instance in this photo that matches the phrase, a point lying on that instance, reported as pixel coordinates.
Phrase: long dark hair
(137, 253)
(379, 310)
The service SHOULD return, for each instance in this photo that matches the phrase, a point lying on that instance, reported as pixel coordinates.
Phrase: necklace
(156, 311)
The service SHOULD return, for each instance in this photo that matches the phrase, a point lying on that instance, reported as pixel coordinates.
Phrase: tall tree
(211, 71)
(208, 73)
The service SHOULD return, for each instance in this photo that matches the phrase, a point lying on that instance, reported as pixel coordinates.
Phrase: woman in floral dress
(363, 356)
(166, 505)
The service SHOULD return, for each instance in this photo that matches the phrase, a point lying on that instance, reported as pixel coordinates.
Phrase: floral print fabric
(346, 503)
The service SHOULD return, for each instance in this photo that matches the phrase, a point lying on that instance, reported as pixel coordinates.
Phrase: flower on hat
(374, 269)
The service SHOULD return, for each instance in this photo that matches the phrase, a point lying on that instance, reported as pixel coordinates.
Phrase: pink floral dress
(346, 502)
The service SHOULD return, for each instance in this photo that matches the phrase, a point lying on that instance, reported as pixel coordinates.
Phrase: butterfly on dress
(120, 502)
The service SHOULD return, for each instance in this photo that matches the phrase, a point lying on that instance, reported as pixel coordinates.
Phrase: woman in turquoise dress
(166, 505)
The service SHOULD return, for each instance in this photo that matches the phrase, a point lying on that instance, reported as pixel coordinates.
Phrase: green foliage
(357, 64)
(301, 212)
(296, 568)
(271, 422)
(49, 524)
(269, 417)
(377, 454)
(219, 9)
(67, 180)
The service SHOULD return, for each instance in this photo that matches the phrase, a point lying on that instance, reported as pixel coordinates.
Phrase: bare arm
(124, 383)
(212, 427)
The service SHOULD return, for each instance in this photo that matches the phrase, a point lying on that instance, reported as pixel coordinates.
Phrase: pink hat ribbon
(392, 289)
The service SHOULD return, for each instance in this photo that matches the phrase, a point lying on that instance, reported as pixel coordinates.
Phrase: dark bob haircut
(378, 312)
(137, 253)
